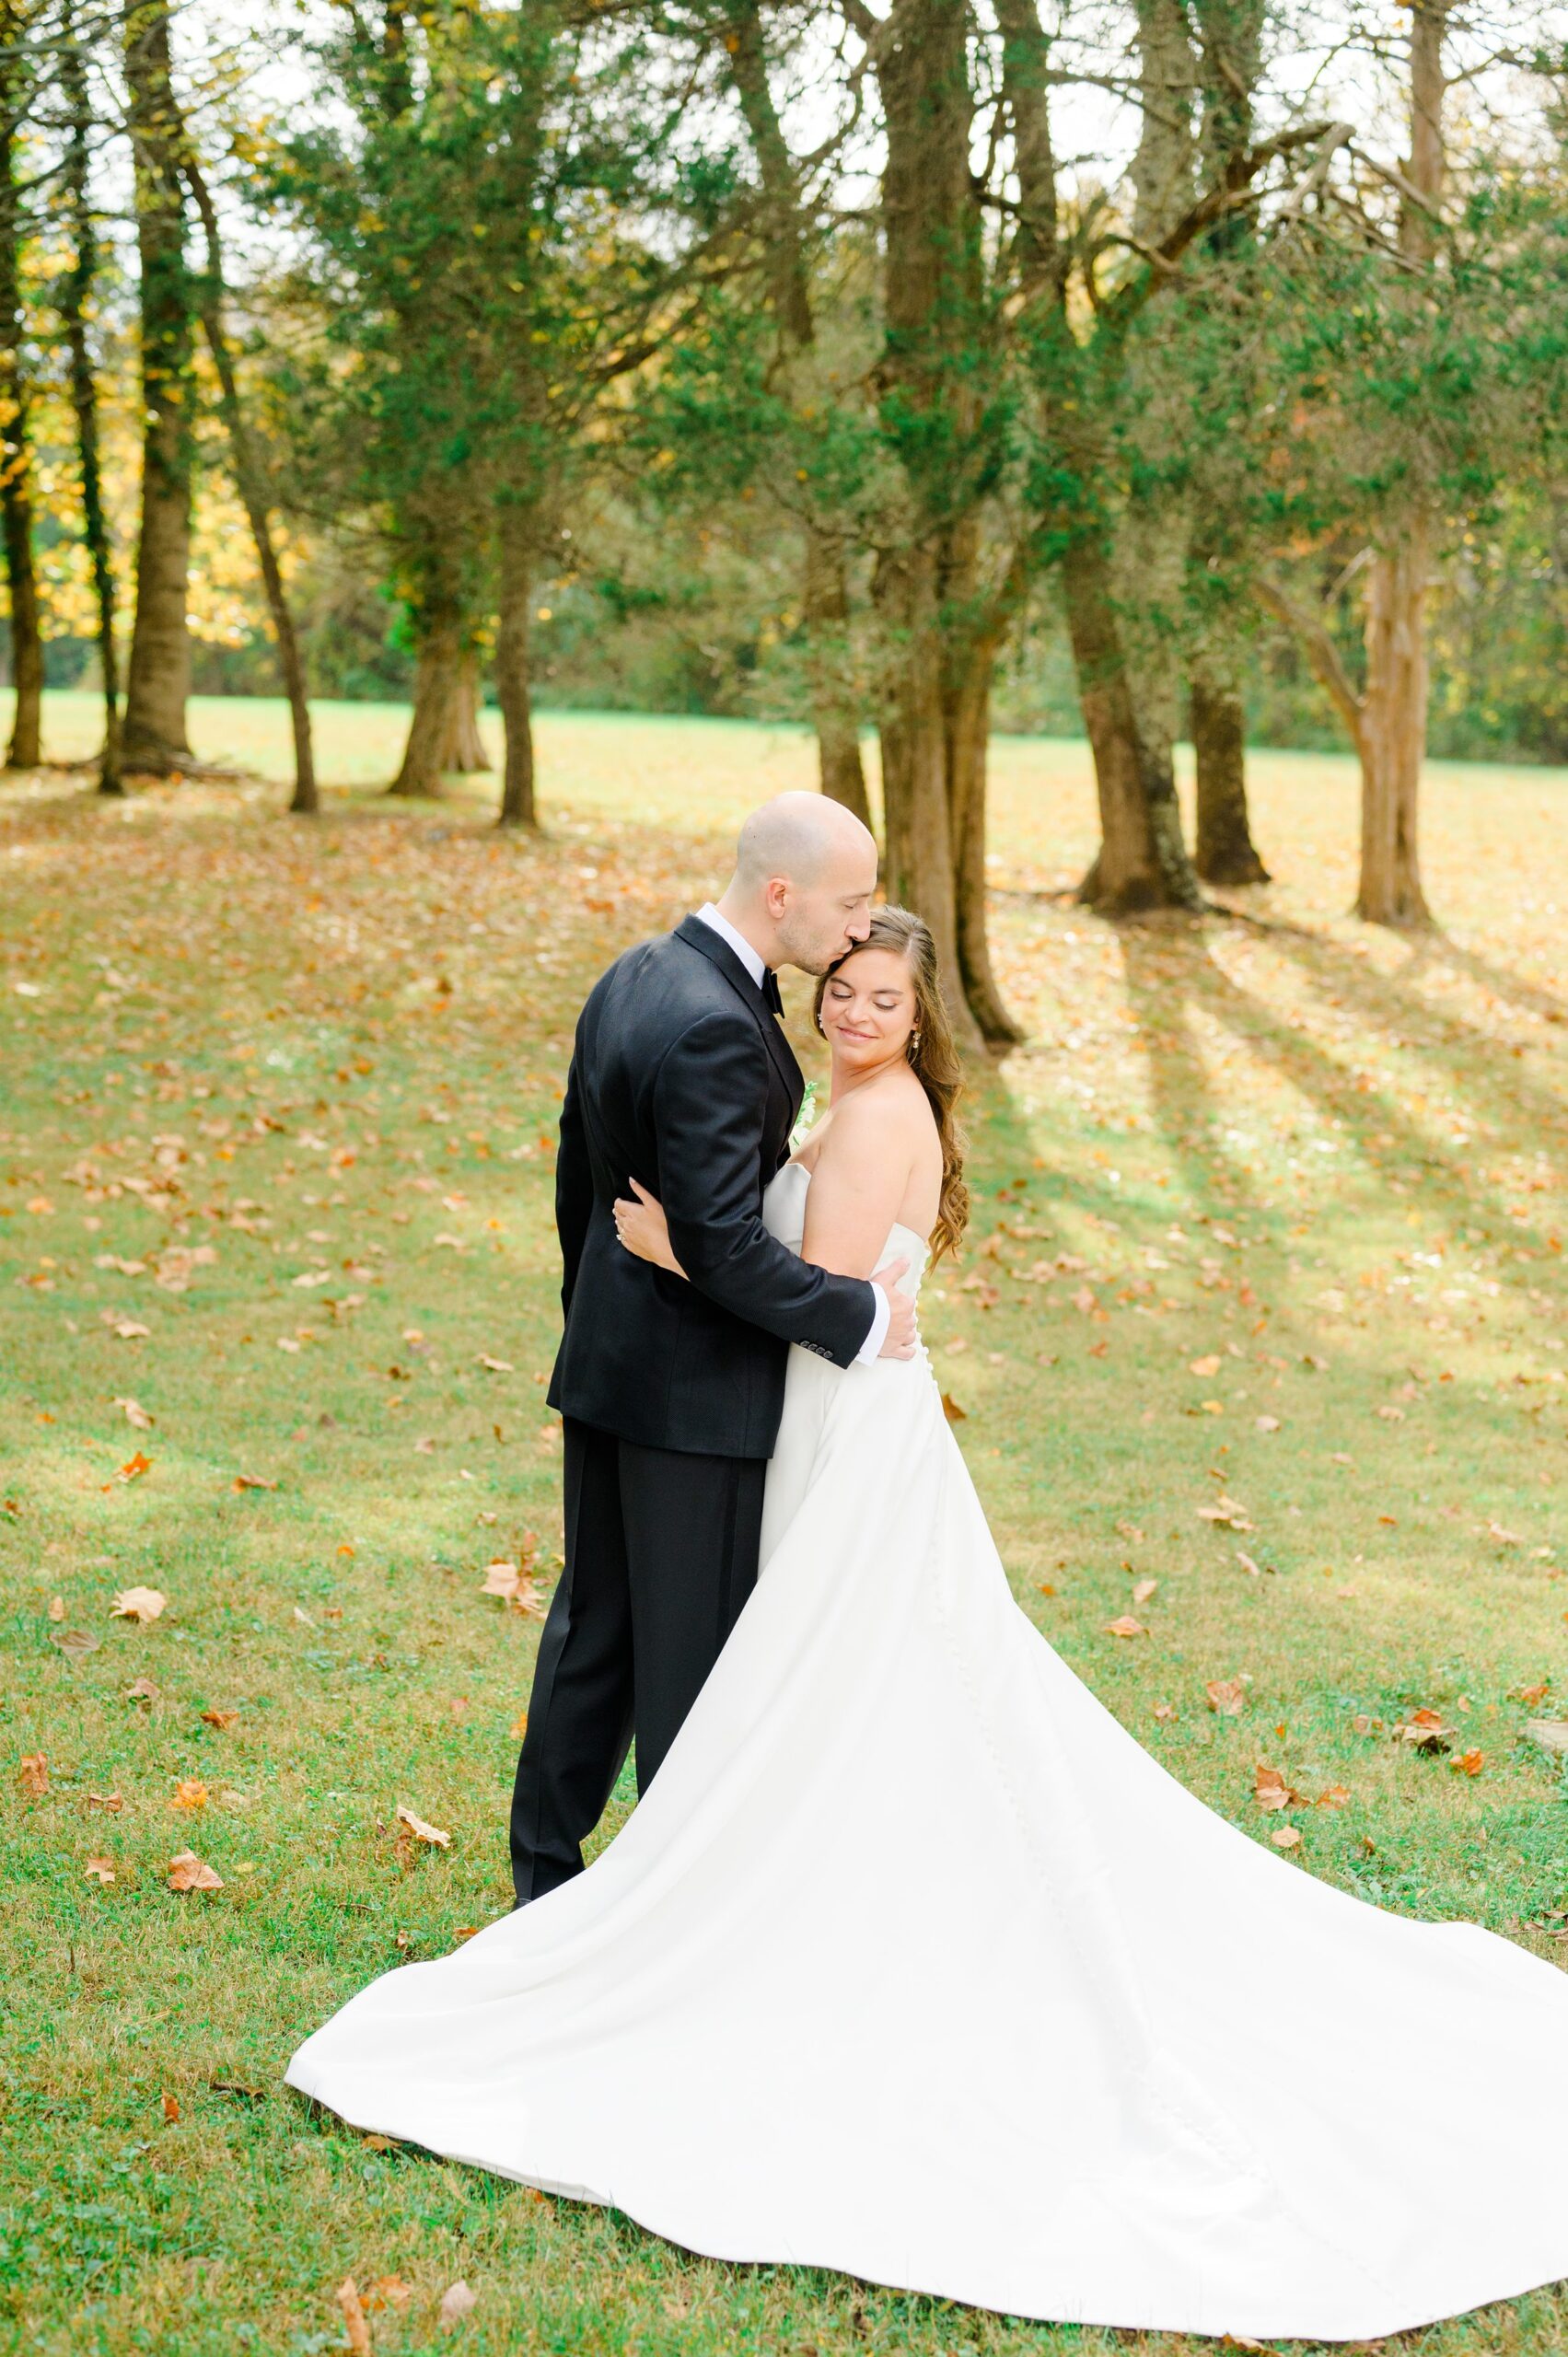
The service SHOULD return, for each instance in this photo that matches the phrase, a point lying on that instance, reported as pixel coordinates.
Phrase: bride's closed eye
(885, 1002)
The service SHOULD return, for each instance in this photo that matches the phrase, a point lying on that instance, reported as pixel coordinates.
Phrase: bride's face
(868, 1009)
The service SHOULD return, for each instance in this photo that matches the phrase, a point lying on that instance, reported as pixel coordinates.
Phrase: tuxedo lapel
(717, 951)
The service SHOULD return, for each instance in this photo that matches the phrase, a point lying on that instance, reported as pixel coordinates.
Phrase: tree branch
(1319, 647)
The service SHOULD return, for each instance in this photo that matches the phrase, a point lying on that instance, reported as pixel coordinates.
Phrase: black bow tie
(770, 998)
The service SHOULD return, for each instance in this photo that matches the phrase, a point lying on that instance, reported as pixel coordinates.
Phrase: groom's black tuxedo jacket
(681, 1078)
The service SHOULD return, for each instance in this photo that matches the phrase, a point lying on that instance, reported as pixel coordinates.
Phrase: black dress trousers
(661, 1554)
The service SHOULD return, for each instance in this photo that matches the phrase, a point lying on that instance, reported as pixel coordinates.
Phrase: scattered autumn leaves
(390, 2292)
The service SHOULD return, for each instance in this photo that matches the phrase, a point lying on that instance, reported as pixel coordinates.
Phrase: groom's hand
(898, 1341)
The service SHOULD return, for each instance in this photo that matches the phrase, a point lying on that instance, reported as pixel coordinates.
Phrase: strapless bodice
(784, 1216)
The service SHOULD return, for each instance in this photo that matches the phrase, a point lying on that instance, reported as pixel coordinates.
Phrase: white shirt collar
(710, 916)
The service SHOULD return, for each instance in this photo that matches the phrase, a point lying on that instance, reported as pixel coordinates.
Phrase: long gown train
(912, 1963)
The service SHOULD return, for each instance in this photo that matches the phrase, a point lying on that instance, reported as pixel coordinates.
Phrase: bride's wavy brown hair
(931, 1052)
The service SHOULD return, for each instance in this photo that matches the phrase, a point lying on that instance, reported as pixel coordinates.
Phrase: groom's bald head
(805, 871)
(797, 836)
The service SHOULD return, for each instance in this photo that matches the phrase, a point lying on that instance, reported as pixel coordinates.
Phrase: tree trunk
(924, 584)
(968, 735)
(826, 589)
(1394, 705)
(155, 733)
(1225, 852)
(16, 494)
(253, 495)
(1393, 733)
(1142, 862)
(77, 292)
(514, 539)
(918, 866)
(465, 749)
(431, 736)
(833, 705)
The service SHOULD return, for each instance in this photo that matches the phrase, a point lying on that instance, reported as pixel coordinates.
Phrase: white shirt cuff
(872, 1346)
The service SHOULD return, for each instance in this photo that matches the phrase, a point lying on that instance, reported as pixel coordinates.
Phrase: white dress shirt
(756, 967)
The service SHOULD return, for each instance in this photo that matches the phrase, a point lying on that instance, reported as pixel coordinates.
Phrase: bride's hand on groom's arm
(642, 1229)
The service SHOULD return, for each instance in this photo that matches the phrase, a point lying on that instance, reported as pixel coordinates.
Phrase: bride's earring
(914, 1041)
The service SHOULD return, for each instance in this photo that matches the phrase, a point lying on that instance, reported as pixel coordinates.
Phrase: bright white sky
(1341, 59)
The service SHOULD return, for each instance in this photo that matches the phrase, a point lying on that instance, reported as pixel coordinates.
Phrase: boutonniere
(804, 1118)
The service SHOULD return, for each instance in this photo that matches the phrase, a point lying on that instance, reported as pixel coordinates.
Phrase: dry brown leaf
(1125, 1626)
(135, 1413)
(1226, 1513)
(354, 2319)
(386, 2292)
(1284, 1837)
(1265, 1423)
(57, 1608)
(1269, 1789)
(421, 1832)
(1425, 1729)
(1504, 1537)
(514, 1585)
(189, 1793)
(99, 1870)
(219, 1719)
(456, 2302)
(1144, 1589)
(33, 1774)
(1205, 1366)
(1246, 1563)
(144, 1691)
(1165, 1710)
(951, 1409)
(142, 1604)
(1335, 1797)
(1470, 1763)
(494, 1367)
(112, 1801)
(170, 2109)
(186, 1872)
(252, 1482)
(134, 1468)
(1226, 1695)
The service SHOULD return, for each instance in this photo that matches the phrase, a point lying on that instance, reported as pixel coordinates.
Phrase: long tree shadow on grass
(1189, 969)
(1520, 1109)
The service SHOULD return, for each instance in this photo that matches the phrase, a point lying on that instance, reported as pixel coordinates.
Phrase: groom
(671, 1390)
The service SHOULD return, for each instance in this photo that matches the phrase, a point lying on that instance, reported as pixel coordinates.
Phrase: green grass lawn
(1268, 1209)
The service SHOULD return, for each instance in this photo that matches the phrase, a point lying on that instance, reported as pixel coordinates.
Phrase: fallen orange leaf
(186, 1872)
(138, 1603)
(421, 1832)
(354, 2319)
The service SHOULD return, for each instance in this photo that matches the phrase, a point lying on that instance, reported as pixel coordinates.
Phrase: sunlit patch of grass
(1326, 1160)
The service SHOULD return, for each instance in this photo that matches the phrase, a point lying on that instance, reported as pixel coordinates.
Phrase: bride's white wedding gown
(912, 1963)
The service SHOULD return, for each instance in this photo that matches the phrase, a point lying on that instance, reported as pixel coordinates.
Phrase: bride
(912, 1963)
